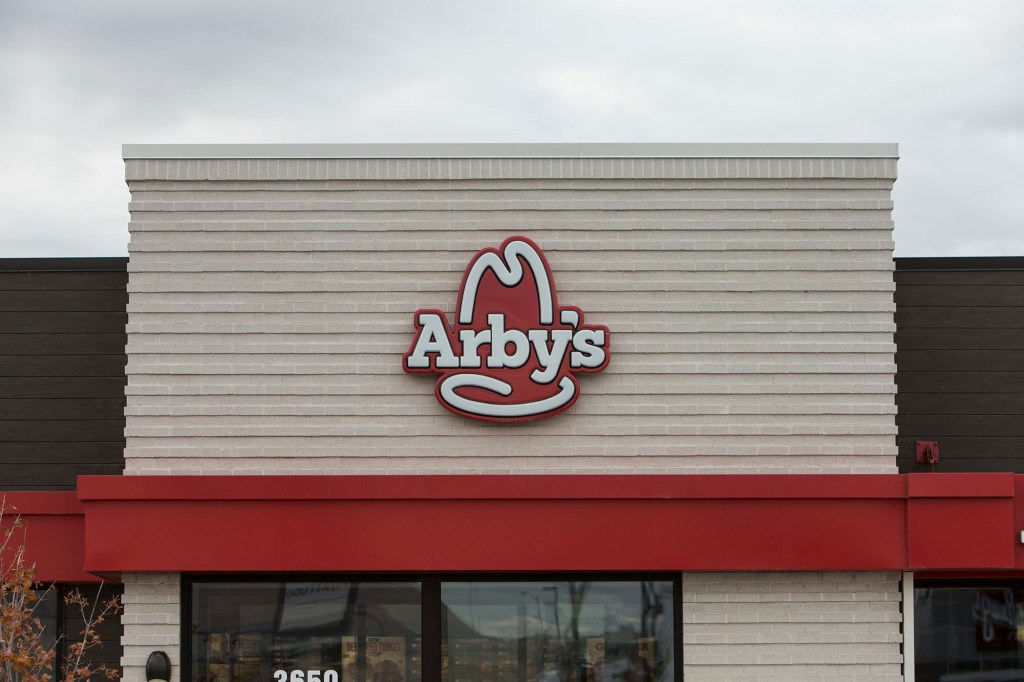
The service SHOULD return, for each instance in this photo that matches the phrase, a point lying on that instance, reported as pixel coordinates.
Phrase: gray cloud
(943, 80)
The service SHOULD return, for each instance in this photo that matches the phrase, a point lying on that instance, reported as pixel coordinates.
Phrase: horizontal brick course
(792, 626)
(497, 168)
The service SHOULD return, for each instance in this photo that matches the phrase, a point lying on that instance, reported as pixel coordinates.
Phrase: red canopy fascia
(912, 522)
(52, 531)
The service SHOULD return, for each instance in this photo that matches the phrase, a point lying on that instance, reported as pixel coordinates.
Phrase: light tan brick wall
(750, 305)
(756, 627)
(151, 621)
(791, 627)
(749, 302)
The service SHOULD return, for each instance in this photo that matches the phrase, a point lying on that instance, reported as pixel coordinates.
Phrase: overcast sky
(78, 79)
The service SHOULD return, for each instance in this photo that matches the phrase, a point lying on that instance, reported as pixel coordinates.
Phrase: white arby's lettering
(492, 368)
(434, 348)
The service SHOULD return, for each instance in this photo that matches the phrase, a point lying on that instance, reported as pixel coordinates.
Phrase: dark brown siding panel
(36, 476)
(914, 338)
(62, 387)
(963, 317)
(955, 382)
(960, 362)
(966, 454)
(56, 431)
(59, 408)
(62, 370)
(109, 649)
(58, 344)
(60, 365)
(49, 453)
(77, 301)
(958, 275)
(963, 295)
(966, 360)
(968, 425)
(15, 280)
(69, 322)
(963, 403)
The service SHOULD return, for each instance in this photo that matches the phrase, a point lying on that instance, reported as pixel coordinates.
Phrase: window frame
(431, 607)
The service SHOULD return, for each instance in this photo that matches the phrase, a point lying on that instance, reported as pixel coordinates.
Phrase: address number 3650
(306, 676)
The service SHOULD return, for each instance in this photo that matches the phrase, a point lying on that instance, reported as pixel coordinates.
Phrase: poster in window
(385, 659)
(595, 658)
(636, 666)
(349, 659)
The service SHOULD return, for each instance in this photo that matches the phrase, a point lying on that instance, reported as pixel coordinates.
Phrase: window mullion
(431, 628)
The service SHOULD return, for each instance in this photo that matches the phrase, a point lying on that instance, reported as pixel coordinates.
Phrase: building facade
(317, 479)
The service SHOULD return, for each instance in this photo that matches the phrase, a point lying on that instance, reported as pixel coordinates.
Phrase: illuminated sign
(512, 352)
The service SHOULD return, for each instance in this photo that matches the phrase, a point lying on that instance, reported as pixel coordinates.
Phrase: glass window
(329, 631)
(432, 630)
(965, 634)
(557, 631)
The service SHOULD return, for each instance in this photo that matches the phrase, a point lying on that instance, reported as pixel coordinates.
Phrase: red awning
(956, 522)
(54, 532)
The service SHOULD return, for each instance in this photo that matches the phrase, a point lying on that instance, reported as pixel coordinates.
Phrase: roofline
(120, 263)
(511, 151)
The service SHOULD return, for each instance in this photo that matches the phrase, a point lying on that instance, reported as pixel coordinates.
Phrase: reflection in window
(557, 631)
(358, 632)
(966, 634)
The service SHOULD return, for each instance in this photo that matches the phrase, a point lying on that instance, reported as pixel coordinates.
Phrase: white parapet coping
(512, 151)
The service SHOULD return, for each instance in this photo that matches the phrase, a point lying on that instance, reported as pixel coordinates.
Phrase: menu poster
(218, 672)
(595, 658)
(325, 651)
(643, 660)
(218, 646)
(250, 645)
(385, 659)
(645, 650)
(349, 659)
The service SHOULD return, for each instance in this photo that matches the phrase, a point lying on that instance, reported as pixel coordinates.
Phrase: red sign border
(451, 333)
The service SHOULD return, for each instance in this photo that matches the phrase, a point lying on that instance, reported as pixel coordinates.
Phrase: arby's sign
(511, 353)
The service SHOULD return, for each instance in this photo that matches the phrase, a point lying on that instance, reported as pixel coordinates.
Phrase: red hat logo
(513, 352)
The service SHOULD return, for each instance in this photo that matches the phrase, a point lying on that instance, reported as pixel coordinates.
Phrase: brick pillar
(152, 615)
